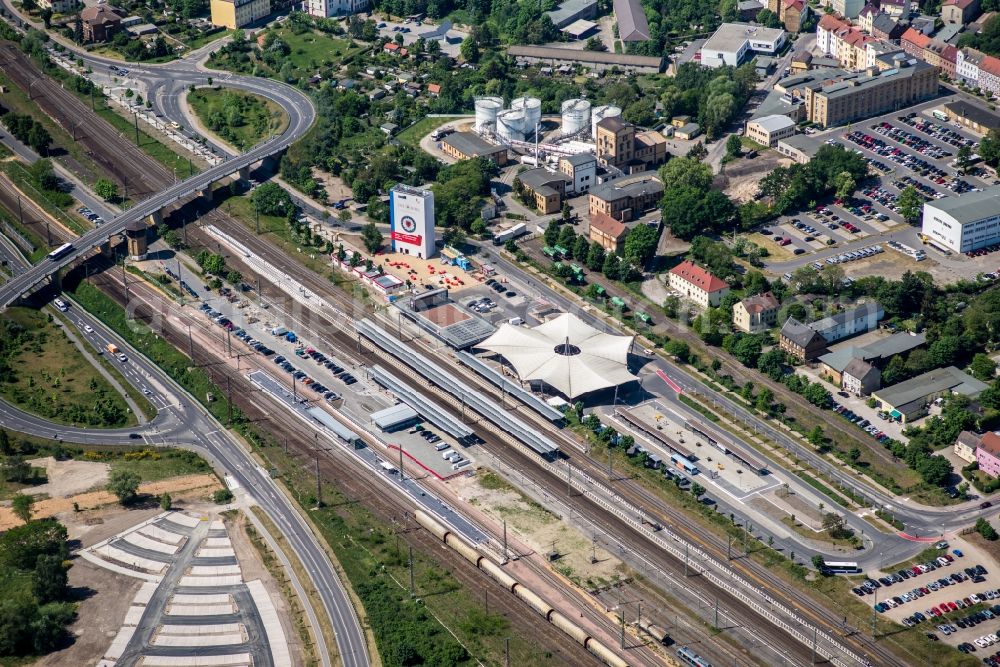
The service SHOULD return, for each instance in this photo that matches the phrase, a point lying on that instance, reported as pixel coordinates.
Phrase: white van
(441, 446)
(61, 305)
(515, 321)
(459, 465)
(447, 455)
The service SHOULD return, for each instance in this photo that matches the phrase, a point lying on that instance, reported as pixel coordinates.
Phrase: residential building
(324, 8)
(959, 11)
(866, 16)
(989, 75)
(860, 378)
(847, 8)
(468, 145)
(897, 9)
(631, 19)
(546, 188)
(571, 11)
(800, 147)
(748, 9)
(966, 222)
(756, 313)
(801, 62)
(881, 55)
(988, 454)
(697, 285)
(966, 445)
(850, 322)
(735, 43)
(620, 145)
(100, 22)
(826, 30)
(886, 28)
(914, 42)
(790, 12)
(800, 341)
(968, 64)
(943, 56)
(768, 130)
(908, 400)
(59, 6)
(973, 117)
(598, 61)
(581, 170)
(235, 14)
(864, 95)
(625, 202)
(607, 232)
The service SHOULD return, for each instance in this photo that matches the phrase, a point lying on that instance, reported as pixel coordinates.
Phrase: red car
(952, 606)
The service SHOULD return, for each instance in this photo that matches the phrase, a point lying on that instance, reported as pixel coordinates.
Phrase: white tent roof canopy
(566, 353)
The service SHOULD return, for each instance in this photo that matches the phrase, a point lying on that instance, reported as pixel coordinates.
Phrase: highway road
(183, 422)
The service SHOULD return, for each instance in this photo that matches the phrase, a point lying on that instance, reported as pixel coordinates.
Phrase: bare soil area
(541, 530)
(70, 477)
(202, 484)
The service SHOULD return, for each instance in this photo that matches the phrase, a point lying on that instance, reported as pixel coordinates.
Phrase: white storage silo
(532, 108)
(600, 113)
(487, 109)
(575, 116)
(510, 125)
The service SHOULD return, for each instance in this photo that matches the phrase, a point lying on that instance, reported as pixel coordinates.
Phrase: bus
(684, 464)
(940, 115)
(689, 657)
(61, 251)
(841, 567)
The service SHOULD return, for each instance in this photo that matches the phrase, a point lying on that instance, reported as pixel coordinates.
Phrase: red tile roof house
(697, 285)
(914, 43)
(988, 454)
(434, 89)
(989, 75)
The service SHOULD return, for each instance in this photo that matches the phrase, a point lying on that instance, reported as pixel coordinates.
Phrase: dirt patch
(334, 187)
(69, 477)
(540, 529)
(203, 484)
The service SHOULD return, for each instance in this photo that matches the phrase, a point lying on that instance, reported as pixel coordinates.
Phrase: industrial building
(973, 117)
(621, 145)
(801, 341)
(906, 401)
(546, 188)
(411, 217)
(598, 61)
(571, 11)
(735, 43)
(631, 19)
(235, 14)
(468, 145)
(878, 354)
(625, 202)
(581, 169)
(863, 95)
(767, 131)
(800, 147)
(962, 223)
(395, 418)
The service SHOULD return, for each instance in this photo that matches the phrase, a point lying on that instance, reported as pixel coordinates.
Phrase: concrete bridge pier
(155, 218)
(205, 193)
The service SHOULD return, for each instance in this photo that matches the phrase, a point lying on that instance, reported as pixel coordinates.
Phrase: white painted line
(210, 598)
(182, 519)
(213, 570)
(144, 542)
(145, 593)
(199, 640)
(134, 615)
(114, 553)
(200, 609)
(196, 660)
(217, 629)
(216, 542)
(232, 483)
(231, 580)
(162, 535)
(119, 643)
(220, 552)
(272, 624)
(217, 525)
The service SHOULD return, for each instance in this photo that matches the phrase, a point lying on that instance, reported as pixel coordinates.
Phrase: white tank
(575, 116)
(487, 109)
(510, 125)
(600, 113)
(532, 108)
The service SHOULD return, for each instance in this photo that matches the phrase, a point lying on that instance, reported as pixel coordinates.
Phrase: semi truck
(512, 233)
(112, 349)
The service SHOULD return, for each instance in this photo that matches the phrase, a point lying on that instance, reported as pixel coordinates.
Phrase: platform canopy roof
(566, 353)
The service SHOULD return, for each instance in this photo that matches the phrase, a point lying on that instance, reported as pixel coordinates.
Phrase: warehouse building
(598, 61)
(395, 418)
(735, 43)
(571, 11)
(468, 145)
(963, 223)
(973, 116)
(906, 401)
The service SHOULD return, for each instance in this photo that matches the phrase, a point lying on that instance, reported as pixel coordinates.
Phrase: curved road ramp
(194, 608)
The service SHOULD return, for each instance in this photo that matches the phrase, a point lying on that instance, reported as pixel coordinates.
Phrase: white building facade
(733, 43)
(324, 8)
(411, 217)
(964, 222)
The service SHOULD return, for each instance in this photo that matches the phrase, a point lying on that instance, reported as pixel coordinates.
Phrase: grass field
(239, 118)
(311, 50)
(412, 135)
(155, 464)
(50, 378)
(177, 160)
(57, 204)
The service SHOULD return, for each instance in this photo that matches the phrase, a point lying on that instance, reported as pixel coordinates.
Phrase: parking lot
(411, 30)
(904, 148)
(952, 598)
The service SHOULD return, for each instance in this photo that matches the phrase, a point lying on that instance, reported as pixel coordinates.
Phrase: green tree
(734, 146)
(989, 148)
(910, 204)
(106, 189)
(984, 528)
(21, 546)
(640, 244)
(551, 234)
(964, 159)
(595, 43)
(697, 490)
(581, 249)
(820, 564)
(817, 394)
(983, 367)
(51, 580)
(816, 437)
(595, 257)
(22, 506)
(272, 199)
(234, 277)
(686, 172)
(124, 484)
(845, 185)
(166, 502)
